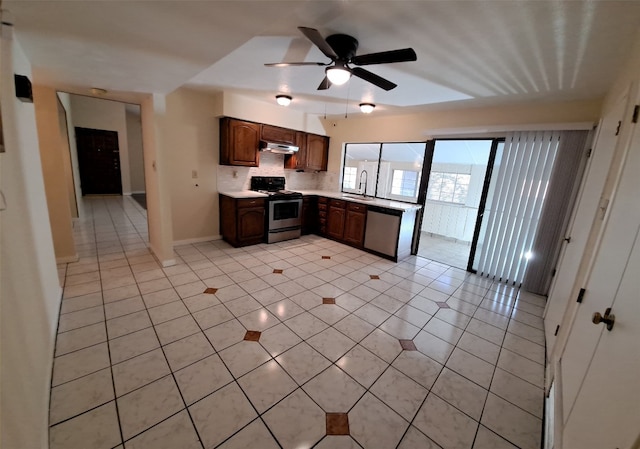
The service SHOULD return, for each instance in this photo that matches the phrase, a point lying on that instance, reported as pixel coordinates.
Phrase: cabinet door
(336, 219)
(317, 152)
(298, 161)
(251, 224)
(239, 143)
(278, 135)
(309, 215)
(354, 226)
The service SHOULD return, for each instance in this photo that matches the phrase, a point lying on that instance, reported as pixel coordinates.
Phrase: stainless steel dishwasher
(383, 229)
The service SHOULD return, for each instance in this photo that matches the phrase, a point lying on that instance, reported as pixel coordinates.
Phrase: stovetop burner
(273, 186)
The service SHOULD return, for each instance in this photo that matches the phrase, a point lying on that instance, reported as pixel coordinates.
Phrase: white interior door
(600, 368)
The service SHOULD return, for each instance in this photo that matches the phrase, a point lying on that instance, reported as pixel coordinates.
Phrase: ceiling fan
(341, 49)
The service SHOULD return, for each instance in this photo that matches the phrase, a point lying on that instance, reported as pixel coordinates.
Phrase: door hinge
(557, 329)
(581, 295)
(553, 272)
(636, 112)
(618, 128)
(589, 152)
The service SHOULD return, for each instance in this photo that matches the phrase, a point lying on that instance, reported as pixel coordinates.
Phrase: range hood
(278, 148)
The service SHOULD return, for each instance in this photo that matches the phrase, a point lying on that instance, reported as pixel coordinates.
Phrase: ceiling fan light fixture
(283, 100)
(367, 108)
(338, 75)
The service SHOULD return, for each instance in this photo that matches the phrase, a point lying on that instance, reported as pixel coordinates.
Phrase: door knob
(609, 319)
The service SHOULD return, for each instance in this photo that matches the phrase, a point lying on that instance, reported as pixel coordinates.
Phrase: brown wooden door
(335, 219)
(317, 152)
(239, 143)
(354, 226)
(251, 224)
(99, 161)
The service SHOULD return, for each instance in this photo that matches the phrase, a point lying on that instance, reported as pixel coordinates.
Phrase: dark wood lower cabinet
(355, 223)
(242, 221)
(310, 222)
(336, 219)
(323, 208)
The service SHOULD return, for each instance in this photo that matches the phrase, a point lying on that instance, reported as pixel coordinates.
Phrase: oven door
(286, 213)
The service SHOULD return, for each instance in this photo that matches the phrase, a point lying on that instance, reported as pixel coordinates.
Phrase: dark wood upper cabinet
(279, 135)
(312, 155)
(239, 141)
(317, 152)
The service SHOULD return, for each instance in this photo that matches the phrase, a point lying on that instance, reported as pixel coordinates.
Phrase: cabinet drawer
(322, 200)
(355, 207)
(338, 204)
(322, 206)
(322, 214)
(253, 202)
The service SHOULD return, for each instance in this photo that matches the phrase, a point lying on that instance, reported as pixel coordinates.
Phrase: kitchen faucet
(366, 178)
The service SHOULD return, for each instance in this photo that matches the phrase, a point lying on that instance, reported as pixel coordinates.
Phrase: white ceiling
(469, 52)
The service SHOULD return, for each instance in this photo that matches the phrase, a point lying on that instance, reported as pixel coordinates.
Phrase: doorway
(453, 198)
(99, 161)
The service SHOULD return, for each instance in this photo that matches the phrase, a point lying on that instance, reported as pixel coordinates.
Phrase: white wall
(134, 142)
(29, 289)
(109, 115)
(65, 99)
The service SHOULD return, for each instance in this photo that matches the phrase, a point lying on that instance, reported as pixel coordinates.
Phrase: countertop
(398, 205)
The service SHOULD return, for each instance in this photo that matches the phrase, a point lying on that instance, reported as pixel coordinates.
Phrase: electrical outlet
(194, 174)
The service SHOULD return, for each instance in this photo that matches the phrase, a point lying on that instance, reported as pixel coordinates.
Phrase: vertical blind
(513, 211)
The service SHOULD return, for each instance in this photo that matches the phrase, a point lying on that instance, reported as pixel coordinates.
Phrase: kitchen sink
(359, 197)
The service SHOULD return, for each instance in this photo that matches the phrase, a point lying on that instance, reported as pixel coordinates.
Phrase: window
(448, 187)
(404, 183)
(349, 178)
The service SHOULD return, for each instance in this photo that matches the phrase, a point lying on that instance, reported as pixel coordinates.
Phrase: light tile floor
(443, 250)
(305, 343)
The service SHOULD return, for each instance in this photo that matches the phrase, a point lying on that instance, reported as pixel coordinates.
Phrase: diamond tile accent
(252, 335)
(337, 424)
(424, 355)
(408, 345)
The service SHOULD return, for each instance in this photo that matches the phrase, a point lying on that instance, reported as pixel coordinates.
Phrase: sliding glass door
(457, 181)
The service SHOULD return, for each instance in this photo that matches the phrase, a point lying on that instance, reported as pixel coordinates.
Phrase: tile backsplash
(234, 178)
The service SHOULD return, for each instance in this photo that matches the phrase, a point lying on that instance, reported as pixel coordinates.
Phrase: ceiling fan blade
(373, 78)
(386, 57)
(325, 84)
(292, 64)
(314, 36)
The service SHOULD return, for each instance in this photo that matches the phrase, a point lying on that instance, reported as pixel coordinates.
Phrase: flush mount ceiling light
(338, 75)
(283, 100)
(367, 108)
(97, 91)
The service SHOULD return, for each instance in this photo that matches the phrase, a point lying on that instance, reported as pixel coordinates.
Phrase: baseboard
(164, 263)
(197, 240)
(141, 192)
(126, 193)
(67, 259)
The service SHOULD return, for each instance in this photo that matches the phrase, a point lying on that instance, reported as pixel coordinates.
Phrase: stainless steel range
(284, 208)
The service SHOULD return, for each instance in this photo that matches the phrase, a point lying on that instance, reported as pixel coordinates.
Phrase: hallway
(304, 343)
